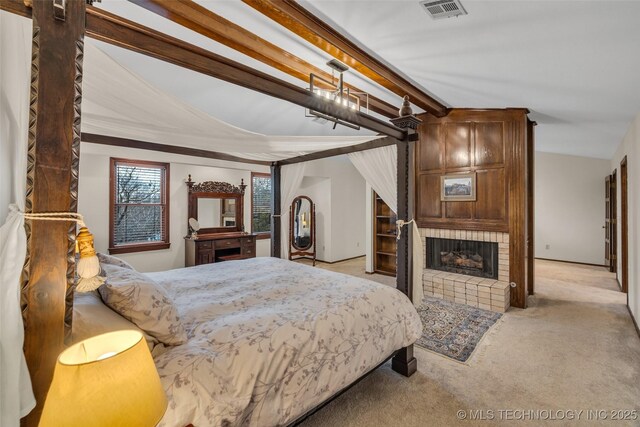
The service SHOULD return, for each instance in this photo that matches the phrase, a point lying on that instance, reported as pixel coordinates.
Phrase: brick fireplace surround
(489, 294)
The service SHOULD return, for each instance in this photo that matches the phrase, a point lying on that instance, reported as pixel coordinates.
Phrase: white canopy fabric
(379, 167)
(16, 395)
(117, 102)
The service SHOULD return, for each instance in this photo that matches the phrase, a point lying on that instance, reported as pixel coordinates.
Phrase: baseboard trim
(343, 260)
(573, 262)
(635, 323)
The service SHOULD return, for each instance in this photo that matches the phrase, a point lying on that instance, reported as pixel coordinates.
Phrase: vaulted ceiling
(574, 64)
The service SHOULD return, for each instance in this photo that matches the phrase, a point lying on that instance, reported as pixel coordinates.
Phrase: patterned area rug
(453, 330)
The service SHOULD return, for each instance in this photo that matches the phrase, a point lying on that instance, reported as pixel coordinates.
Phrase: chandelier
(333, 91)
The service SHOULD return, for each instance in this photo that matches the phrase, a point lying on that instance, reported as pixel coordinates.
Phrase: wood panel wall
(465, 141)
(494, 145)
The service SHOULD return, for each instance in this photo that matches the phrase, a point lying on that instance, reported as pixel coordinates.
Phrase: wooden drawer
(249, 251)
(206, 244)
(204, 257)
(227, 243)
(250, 241)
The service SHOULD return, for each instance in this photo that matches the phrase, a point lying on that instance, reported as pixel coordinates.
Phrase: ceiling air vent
(443, 8)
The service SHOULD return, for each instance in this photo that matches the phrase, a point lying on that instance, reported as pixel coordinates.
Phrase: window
(261, 204)
(139, 206)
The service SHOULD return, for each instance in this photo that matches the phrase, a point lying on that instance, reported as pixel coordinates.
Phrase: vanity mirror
(216, 228)
(217, 206)
(302, 229)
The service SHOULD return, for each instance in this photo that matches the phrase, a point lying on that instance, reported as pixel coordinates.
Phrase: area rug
(453, 330)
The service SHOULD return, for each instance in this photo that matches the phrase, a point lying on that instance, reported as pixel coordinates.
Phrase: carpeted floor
(574, 348)
(453, 330)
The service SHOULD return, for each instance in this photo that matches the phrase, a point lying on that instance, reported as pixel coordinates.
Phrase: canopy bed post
(404, 362)
(52, 186)
(276, 224)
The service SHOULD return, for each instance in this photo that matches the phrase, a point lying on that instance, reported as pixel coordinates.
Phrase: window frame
(259, 234)
(164, 194)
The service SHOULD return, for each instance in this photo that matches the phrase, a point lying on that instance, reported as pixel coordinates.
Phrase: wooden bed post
(404, 362)
(52, 186)
(276, 223)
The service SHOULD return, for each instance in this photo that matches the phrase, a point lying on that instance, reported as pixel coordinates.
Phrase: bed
(268, 340)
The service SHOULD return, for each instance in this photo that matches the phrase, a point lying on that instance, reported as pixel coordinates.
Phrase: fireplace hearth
(468, 257)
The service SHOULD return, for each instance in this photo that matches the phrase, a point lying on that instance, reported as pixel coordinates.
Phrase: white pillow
(108, 259)
(139, 299)
(91, 317)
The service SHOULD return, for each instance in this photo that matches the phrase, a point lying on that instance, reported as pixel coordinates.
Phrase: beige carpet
(574, 348)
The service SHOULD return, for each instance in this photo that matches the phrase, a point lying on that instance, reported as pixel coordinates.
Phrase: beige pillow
(139, 299)
(91, 317)
(108, 259)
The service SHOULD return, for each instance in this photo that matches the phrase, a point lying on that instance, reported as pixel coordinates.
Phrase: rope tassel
(399, 224)
(88, 267)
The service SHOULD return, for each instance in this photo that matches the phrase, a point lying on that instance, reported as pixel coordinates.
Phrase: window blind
(261, 214)
(139, 204)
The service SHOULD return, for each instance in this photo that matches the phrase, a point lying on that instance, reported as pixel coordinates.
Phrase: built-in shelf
(385, 243)
(386, 253)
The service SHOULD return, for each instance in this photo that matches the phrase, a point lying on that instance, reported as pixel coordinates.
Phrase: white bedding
(270, 339)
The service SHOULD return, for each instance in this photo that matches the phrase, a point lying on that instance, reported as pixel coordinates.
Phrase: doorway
(611, 225)
(624, 226)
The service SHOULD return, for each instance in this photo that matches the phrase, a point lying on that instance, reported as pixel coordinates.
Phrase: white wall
(318, 189)
(93, 198)
(630, 147)
(338, 190)
(333, 184)
(569, 207)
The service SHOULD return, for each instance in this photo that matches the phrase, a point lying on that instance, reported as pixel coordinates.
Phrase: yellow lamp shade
(107, 380)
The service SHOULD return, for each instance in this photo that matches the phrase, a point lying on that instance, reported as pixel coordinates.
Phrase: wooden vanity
(218, 207)
(205, 249)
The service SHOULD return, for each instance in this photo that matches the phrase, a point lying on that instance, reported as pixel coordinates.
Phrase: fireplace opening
(463, 256)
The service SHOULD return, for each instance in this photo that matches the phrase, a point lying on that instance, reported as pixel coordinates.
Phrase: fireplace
(463, 256)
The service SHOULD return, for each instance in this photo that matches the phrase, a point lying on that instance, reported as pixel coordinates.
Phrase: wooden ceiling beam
(118, 31)
(305, 24)
(16, 6)
(165, 148)
(376, 143)
(202, 20)
(113, 29)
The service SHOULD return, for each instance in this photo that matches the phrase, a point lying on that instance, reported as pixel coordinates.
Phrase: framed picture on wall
(458, 187)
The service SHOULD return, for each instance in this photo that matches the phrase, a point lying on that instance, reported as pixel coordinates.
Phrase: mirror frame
(216, 190)
(310, 252)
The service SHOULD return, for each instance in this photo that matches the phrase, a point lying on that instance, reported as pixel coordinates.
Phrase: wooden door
(530, 239)
(607, 222)
(624, 226)
(613, 234)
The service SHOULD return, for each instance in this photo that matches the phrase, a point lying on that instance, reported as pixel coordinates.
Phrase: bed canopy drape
(379, 167)
(119, 103)
(16, 395)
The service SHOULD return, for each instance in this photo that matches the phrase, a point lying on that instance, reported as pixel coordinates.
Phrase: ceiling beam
(202, 20)
(376, 143)
(16, 6)
(113, 29)
(165, 148)
(305, 24)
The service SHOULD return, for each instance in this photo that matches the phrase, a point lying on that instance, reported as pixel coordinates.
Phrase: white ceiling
(574, 64)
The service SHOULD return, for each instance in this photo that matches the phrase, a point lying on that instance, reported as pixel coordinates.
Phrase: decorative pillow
(139, 299)
(111, 260)
(92, 317)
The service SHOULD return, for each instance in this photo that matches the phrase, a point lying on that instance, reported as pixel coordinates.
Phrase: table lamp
(107, 380)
